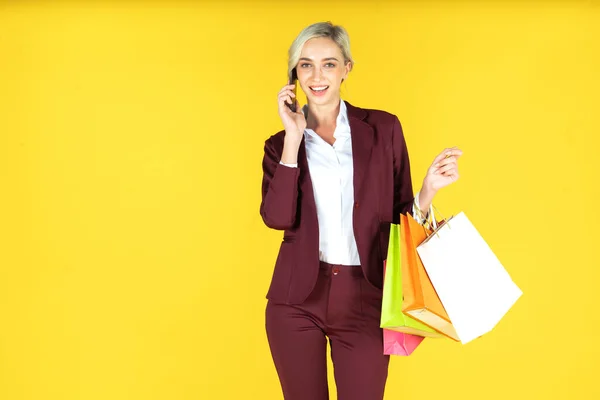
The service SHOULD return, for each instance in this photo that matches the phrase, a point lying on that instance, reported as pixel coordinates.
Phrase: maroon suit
(301, 309)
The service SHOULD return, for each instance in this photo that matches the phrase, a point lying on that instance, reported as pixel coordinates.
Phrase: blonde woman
(334, 179)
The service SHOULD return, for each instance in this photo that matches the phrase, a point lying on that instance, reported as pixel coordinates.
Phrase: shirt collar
(342, 128)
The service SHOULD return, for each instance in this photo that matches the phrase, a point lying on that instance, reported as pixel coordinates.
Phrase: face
(321, 69)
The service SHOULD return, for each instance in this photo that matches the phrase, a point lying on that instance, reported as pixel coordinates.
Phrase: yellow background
(133, 260)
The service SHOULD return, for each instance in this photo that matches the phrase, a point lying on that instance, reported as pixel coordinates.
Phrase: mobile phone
(293, 79)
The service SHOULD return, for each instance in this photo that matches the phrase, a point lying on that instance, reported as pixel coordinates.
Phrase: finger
(285, 90)
(453, 174)
(447, 168)
(448, 152)
(289, 98)
(286, 98)
(283, 98)
(287, 93)
(284, 103)
(440, 156)
(439, 162)
(445, 161)
(454, 152)
(287, 87)
(443, 170)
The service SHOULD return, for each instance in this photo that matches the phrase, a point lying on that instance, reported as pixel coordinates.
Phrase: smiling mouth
(318, 89)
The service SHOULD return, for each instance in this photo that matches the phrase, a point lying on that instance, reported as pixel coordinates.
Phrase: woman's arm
(280, 182)
(403, 194)
(442, 172)
(279, 189)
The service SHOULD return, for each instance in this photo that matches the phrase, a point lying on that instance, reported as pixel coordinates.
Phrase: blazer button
(336, 270)
(356, 204)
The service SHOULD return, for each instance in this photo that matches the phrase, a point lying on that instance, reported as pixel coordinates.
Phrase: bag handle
(430, 225)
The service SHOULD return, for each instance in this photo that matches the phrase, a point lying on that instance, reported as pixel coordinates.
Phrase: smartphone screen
(293, 79)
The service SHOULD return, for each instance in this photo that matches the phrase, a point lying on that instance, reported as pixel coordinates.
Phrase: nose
(317, 73)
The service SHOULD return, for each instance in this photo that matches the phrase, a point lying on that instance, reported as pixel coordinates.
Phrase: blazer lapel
(305, 180)
(362, 145)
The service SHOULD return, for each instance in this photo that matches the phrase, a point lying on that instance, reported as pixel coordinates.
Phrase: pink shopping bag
(399, 344)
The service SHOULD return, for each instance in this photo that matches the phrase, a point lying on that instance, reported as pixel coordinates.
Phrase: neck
(322, 114)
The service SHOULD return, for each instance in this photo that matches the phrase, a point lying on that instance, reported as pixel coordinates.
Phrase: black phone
(293, 79)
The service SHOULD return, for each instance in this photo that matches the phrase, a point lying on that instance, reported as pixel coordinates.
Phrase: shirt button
(336, 270)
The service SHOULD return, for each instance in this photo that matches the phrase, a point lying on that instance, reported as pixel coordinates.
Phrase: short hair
(321, 29)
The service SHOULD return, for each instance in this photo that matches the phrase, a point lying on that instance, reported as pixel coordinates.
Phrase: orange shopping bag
(421, 301)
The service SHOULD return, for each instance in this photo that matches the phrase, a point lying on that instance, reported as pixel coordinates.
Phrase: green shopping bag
(391, 308)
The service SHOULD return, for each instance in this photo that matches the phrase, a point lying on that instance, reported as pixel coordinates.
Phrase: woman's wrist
(426, 195)
(290, 150)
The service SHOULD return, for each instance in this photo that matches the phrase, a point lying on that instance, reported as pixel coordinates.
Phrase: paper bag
(399, 344)
(470, 281)
(392, 316)
(420, 298)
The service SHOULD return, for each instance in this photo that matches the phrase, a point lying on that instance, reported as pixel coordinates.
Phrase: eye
(330, 65)
(304, 65)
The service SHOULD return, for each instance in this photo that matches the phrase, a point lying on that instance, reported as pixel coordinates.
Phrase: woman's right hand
(294, 123)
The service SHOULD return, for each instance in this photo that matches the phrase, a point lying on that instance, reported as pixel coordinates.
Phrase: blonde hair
(321, 29)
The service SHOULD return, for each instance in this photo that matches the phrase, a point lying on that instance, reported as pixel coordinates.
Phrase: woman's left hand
(443, 171)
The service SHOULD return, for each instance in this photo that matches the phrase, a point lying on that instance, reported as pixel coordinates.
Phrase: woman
(334, 179)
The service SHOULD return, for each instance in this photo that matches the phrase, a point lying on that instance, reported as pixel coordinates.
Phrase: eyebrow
(325, 59)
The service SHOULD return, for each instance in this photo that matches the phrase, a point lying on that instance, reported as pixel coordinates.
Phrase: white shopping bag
(473, 286)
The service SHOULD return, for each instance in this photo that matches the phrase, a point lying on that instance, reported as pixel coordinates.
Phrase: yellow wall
(133, 260)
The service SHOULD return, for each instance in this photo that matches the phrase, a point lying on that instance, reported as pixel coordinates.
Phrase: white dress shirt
(332, 172)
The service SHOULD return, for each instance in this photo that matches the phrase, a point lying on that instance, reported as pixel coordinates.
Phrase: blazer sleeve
(279, 190)
(403, 192)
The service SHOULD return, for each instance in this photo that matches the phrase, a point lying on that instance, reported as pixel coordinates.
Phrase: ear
(347, 68)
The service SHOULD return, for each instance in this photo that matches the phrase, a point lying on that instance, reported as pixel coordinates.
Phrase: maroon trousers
(345, 308)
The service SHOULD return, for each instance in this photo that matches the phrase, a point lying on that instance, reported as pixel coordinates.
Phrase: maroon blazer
(382, 190)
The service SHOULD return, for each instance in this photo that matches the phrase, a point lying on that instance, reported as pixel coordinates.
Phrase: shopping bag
(392, 316)
(421, 301)
(399, 344)
(472, 284)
